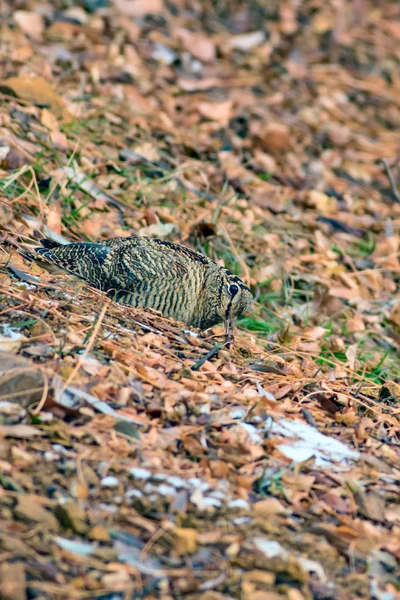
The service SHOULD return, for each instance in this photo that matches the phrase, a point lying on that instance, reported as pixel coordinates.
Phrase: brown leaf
(12, 581)
(345, 293)
(30, 509)
(245, 41)
(22, 381)
(186, 540)
(49, 120)
(139, 8)
(20, 431)
(31, 23)
(268, 507)
(36, 90)
(216, 111)
(198, 45)
(275, 137)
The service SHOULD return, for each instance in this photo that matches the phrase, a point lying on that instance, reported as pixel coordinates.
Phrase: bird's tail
(34, 254)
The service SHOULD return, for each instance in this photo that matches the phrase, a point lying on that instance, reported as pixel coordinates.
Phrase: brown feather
(147, 272)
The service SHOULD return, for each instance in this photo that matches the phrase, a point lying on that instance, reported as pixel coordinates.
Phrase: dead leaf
(48, 120)
(245, 41)
(351, 354)
(269, 506)
(36, 90)
(29, 508)
(139, 8)
(20, 431)
(216, 111)
(13, 581)
(20, 380)
(198, 45)
(31, 23)
(186, 540)
(11, 343)
(275, 137)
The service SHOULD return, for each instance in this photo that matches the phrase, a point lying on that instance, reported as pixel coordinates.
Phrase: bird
(152, 273)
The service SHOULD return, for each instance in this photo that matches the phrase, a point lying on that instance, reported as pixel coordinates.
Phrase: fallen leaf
(186, 540)
(139, 8)
(198, 45)
(30, 509)
(275, 137)
(13, 580)
(20, 380)
(36, 90)
(49, 120)
(20, 431)
(158, 230)
(216, 111)
(11, 343)
(31, 23)
(245, 41)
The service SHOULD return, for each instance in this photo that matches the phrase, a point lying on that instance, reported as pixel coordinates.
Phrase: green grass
(265, 176)
(258, 325)
(387, 367)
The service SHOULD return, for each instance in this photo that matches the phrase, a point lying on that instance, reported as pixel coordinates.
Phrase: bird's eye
(233, 289)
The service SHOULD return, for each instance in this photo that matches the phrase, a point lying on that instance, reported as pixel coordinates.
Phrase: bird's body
(147, 272)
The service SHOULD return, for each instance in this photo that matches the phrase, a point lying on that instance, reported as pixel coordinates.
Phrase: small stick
(88, 347)
(392, 182)
(246, 274)
(207, 356)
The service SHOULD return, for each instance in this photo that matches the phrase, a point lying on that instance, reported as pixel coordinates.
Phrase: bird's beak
(229, 325)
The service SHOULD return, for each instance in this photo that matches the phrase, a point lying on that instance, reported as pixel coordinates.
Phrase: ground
(138, 459)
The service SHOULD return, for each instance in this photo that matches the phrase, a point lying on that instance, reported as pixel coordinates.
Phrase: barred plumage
(147, 272)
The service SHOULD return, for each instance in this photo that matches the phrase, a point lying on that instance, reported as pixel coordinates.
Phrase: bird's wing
(126, 264)
(82, 259)
(130, 264)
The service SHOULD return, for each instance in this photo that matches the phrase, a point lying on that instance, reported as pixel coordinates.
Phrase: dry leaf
(20, 431)
(246, 41)
(139, 8)
(49, 120)
(199, 46)
(216, 111)
(36, 90)
(31, 23)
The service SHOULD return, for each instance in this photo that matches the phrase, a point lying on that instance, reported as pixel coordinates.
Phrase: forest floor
(135, 461)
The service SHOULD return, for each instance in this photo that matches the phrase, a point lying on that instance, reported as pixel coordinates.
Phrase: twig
(246, 274)
(207, 356)
(87, 348)
(392, 182)
(43, 399)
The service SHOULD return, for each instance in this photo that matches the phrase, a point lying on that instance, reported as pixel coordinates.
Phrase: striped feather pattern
(146, 272)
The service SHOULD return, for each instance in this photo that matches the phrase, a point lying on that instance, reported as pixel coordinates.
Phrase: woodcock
(147, 272)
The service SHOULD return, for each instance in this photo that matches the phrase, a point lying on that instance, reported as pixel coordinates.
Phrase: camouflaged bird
(148, 272)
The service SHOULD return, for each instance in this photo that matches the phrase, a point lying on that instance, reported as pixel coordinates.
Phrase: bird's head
(227, 302)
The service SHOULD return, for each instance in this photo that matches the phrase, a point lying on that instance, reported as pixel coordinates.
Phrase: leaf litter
(139, 459)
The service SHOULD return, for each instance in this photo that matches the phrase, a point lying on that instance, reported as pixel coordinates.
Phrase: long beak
(229, 325)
